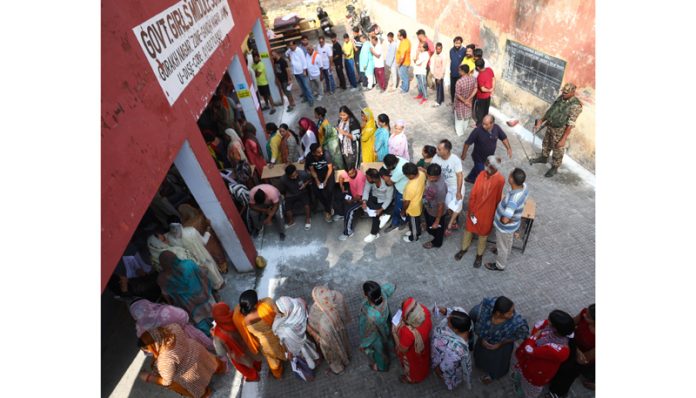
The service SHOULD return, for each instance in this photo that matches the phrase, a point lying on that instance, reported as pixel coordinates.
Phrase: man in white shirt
(326, 51)
(378, 57)
(390, 62)
(453, 174)
(298, 62)
(315, 64)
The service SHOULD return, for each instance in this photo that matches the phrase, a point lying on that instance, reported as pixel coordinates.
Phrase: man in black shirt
(293, 186)
(321, 169)
(338, 60)
(280, 69)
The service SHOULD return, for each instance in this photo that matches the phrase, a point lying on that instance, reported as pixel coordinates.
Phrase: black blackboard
(533, 71)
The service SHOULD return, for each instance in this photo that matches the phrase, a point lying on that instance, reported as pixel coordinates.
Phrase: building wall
(142, 134)
(563, 29)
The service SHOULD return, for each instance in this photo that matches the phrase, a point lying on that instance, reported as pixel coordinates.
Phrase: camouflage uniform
(562, 113)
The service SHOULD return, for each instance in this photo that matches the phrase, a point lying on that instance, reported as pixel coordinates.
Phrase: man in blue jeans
(403, 59)
(485, 139)
(298, 62)
(397, 179)
(349, 58)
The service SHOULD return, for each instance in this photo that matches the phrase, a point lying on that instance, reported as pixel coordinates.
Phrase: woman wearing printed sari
(235, 149)
(227, 342)
(254, 321)
(450, 346)
(328, 137)
(158, 243)
(348, 129)
(412, 338)
(185, 285)
(149, 315)
(375, 324)
(367, 136)
(183, 365)
(497, 327)
(290, 325)
(382, 137)
(327, 319)
(193, 217)
(190, 239)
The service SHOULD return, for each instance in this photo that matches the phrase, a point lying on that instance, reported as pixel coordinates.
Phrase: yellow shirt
(348, 51)
(470, 62)
(414, 194)
(275, 147)
(404, 49)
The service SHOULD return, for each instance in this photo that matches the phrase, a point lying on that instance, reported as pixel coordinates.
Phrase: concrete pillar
(247, 98)
(196, 181)
(264, 49)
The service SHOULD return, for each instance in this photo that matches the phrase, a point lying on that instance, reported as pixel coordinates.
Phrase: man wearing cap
(560, 119)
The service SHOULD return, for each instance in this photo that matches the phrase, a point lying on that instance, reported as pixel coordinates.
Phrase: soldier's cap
(568, 88)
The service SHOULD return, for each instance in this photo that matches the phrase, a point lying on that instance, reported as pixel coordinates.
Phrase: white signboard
(178, 41)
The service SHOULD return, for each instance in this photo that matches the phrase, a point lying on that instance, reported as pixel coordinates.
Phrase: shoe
(307, 226)
(337, 217)
(290, 109)
(408, 233)
(552, 172)
(390, 228)
(436, 105)
(423, 101)
(383, 220)
(272, 111)
(369, 238)
(477, 262)
(344, 237)
(354, 89)
(288, 226)
(540, 159)
(493, 267)
(407, 239)
(459, 255)
(419, 96)
(282, 237)
(327, 218)
(320, 97)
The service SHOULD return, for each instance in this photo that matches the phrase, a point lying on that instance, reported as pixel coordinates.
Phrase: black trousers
(481, 109)
(414, 225)
(325, 196)
(437, 233)
(567, 373)
(340, 73)
(440, 91)
(453, 84)
(352, 212)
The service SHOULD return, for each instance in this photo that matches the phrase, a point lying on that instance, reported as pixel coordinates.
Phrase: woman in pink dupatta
(327, 319)
(398, 142)
(149, 315)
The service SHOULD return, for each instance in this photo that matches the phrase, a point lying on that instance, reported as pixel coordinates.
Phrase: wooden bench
(277, 170)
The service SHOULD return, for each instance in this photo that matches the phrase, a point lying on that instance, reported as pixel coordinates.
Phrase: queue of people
(446, 341)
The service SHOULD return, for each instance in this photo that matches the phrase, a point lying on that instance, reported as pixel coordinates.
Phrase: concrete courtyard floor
(557, 271)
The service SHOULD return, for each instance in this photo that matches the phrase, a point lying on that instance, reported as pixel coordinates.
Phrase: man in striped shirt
(507, 218)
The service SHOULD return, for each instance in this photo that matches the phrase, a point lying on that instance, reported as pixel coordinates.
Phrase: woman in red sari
(227, 342)
(253, 149)
(412, 338)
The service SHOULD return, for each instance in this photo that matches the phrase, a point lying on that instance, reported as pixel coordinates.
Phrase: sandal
(459, 255)
(307, 226)
(486, 379)
(404, 380)
(428, 245)
(493, 267)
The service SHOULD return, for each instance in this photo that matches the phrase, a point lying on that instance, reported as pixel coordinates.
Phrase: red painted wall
(141, 134)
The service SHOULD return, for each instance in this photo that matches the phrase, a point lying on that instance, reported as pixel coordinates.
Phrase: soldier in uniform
(560, 119)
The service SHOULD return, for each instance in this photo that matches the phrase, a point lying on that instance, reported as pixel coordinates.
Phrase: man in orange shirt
(403, 59)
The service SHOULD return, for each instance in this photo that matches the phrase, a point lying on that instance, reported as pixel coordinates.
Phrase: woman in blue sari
(375, 324)
(497, 327)
(185, 285)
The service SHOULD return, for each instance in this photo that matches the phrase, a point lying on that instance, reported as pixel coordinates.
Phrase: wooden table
(371, 165)
(278, 170)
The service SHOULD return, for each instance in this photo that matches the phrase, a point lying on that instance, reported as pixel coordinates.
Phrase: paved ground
(556, 271)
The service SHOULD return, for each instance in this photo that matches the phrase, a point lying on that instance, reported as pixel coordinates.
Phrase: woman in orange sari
(254, 321)
(227, 342)
(412, 338)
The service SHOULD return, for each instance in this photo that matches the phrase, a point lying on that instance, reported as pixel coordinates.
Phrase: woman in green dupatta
(329, 138)
(375, 324)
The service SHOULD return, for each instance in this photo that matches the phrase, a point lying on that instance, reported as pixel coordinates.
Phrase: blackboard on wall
(533, 71)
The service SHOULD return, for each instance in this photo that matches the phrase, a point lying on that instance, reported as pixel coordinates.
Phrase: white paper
(474, 220)
(348, 197)
(371, 213)
(397, 318)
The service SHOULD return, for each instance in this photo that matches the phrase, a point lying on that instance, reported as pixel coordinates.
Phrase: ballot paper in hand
(397, 318)
(348, 197)
(372, 213)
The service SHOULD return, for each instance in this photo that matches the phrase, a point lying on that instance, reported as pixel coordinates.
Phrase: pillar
(248, 100)
(264, 49)
(197, 182)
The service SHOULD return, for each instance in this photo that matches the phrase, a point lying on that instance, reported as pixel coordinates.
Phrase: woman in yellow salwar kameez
(367, 136)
